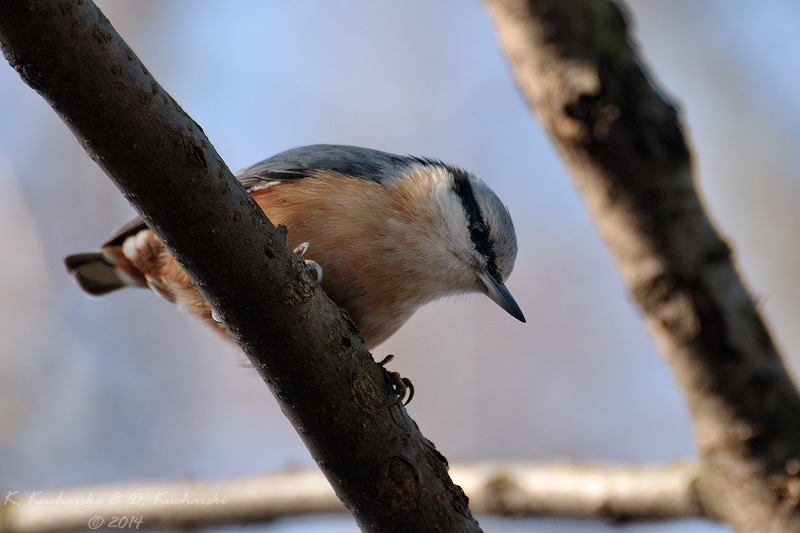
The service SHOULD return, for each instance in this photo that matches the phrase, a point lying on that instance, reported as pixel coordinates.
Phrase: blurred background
(127, 387)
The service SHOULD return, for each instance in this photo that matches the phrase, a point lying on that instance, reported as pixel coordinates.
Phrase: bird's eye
(478, 232)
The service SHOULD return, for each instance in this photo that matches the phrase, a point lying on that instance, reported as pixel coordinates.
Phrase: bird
(384, 233)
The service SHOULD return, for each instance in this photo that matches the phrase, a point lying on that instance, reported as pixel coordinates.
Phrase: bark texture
(387, 474)
(623, 141)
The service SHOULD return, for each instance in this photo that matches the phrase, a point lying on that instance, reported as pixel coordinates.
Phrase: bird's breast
(356, 233)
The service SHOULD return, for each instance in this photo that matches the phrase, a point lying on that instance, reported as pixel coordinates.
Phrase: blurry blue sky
(127, 387)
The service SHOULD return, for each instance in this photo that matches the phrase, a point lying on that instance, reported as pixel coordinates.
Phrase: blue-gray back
(363, 163)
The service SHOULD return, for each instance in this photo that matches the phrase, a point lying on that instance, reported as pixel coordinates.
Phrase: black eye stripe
(463, 189)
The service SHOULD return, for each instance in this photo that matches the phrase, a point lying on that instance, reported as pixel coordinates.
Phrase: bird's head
(473, 233)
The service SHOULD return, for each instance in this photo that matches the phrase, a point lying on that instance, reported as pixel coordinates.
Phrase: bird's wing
(302, 162)
(352, 161)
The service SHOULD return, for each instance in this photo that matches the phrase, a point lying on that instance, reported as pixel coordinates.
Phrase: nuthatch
(390, 232)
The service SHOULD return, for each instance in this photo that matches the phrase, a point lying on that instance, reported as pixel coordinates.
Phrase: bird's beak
(500, 295)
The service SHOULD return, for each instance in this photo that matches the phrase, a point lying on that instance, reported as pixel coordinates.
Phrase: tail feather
(95, 273)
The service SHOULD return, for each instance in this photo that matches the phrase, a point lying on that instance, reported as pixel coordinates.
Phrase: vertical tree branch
(386, 473)
(623, 141)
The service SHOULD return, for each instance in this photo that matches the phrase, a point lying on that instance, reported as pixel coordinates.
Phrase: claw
(314, 266)
(400, 385)
(301, 250)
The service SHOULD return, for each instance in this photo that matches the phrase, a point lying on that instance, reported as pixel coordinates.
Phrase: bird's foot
(400, 385)
(311, 264)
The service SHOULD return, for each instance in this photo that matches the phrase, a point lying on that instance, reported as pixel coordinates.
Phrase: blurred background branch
(520, 489)
(624, 144)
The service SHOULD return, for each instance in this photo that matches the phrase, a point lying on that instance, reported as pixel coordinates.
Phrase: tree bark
(386, 473)
(623, 141)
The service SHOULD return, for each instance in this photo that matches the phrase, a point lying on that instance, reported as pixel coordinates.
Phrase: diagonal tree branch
(386, 473)
(623, 141)
(613, 493)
